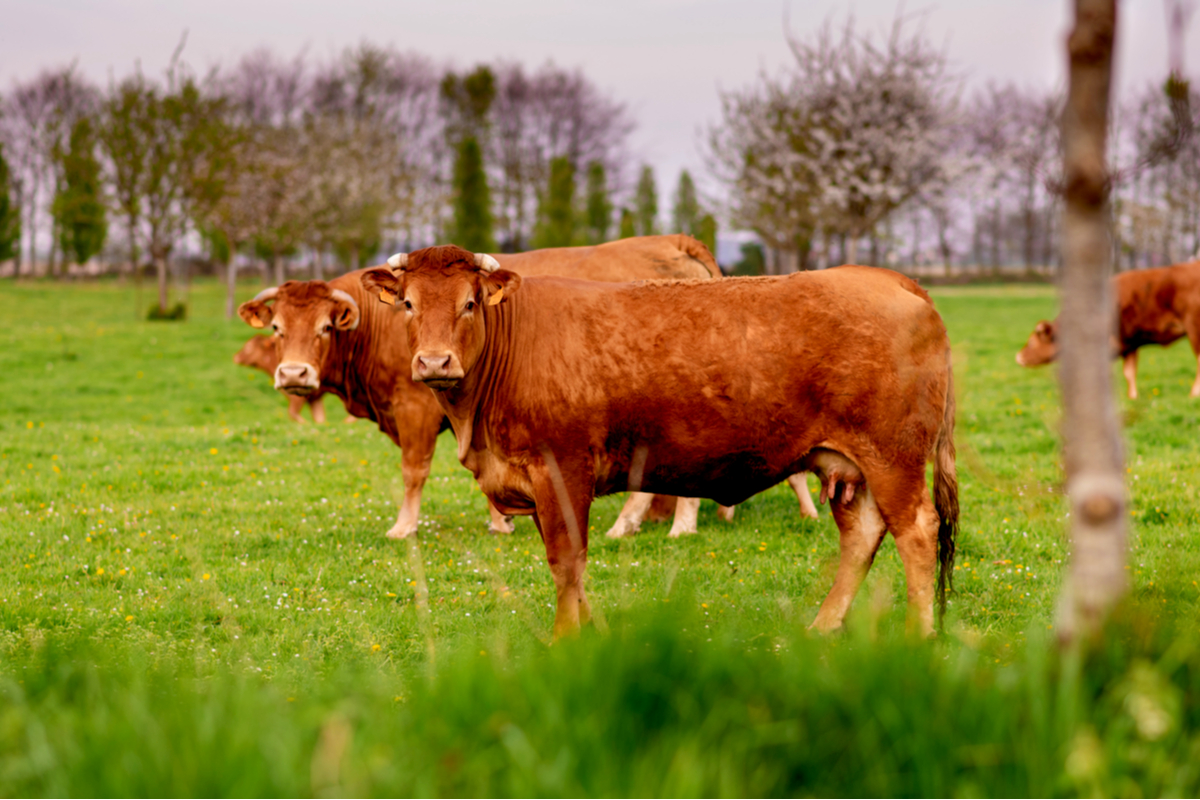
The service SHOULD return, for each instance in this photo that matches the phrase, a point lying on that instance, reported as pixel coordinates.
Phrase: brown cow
(329, 339)
(559, 391)
(260, 352)
(1154, 306)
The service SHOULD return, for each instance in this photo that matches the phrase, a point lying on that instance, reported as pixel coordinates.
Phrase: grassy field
(196, 598)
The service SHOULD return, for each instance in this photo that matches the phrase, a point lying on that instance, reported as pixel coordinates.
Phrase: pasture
(196, 598)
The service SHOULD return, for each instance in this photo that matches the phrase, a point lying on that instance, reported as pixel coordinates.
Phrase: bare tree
(536, 118)
(38, 117)
(1091, 436)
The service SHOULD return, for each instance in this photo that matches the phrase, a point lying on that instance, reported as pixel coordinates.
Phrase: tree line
(316, 167)
(867, 149)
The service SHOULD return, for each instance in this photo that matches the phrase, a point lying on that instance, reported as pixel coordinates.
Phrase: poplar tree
(10, 215)
(472, 200)
(599, 206)
(82, 221)
(646, 204)
(627, 227)
(686, 211)
(556, 212)
(468, 100)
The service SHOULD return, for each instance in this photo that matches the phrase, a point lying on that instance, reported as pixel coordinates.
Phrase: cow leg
(687, 510)
(295, 406)
(1196, 386)
(725, 513)
(417, 440)
(629, 521)
(564, 532)
(316, 407)
(799, 484)
(1130, 370)
(499, 522)
(913, 522)
(861, 529)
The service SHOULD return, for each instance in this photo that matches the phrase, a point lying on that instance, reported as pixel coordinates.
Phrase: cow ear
(345, 312)
(380, 282)
(500, 284)
(256, 313)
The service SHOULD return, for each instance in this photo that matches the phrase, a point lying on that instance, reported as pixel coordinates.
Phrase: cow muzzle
(436, 370)
(294, 377)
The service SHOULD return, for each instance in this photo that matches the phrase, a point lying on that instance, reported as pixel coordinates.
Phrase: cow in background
(560, 391)
(1154, 306)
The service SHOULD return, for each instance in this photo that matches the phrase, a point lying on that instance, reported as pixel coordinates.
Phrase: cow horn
(265, 295)
(486, 263)
(338, 294)
(398, 261)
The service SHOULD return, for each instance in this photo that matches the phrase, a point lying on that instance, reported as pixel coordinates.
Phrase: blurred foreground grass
(196, 598)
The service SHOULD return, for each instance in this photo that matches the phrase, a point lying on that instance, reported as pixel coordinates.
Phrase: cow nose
(433, 365)
(294, 375)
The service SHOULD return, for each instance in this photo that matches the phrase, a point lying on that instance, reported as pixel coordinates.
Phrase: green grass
(196, 598)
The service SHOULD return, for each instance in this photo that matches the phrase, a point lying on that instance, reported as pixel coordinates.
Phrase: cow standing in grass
(559, 391)
(328, 340)
(1154, 306)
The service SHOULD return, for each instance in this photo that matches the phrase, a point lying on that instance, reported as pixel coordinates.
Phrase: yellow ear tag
(255, 322)
(387, 297)
(495, 299)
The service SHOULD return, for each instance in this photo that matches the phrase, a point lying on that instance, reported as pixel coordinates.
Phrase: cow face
(260, 352)
(443, 292)
(304, 316)
(1042, 347)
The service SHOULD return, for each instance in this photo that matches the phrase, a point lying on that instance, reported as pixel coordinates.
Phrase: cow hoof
(675, 534)
(621, 529)
(398, 532)
(725, 513)
(505, 528)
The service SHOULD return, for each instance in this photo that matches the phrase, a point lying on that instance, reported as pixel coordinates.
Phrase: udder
(839, 476)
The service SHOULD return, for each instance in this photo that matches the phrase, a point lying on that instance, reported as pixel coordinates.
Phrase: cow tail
(945, 494)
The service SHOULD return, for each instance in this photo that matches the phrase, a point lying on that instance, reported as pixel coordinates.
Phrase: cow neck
(466, 404)
(350, 369)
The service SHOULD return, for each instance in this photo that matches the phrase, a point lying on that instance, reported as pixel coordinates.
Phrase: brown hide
(370, 367)
(1154, 306)
(639, 258)
(717, 389)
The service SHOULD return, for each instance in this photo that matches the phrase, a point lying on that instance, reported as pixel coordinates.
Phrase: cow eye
(407, 305)
(470, 306)
(326, 328)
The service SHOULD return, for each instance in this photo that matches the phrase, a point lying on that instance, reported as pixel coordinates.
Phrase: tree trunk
(850, 249)
(231, 285)
(1091, 436)
(317, 272)
(277, 268)
(160, 268)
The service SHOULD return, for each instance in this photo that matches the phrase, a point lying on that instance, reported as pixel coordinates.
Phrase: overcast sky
(666, 59)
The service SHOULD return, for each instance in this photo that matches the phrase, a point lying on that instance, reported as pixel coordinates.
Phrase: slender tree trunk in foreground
(1091, 435)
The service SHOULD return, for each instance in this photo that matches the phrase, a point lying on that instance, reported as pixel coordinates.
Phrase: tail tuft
(945, 495)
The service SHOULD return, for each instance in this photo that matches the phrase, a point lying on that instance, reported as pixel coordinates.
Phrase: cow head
(260, 352)
(1042, 347)
(443, 292)
(303, 314)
